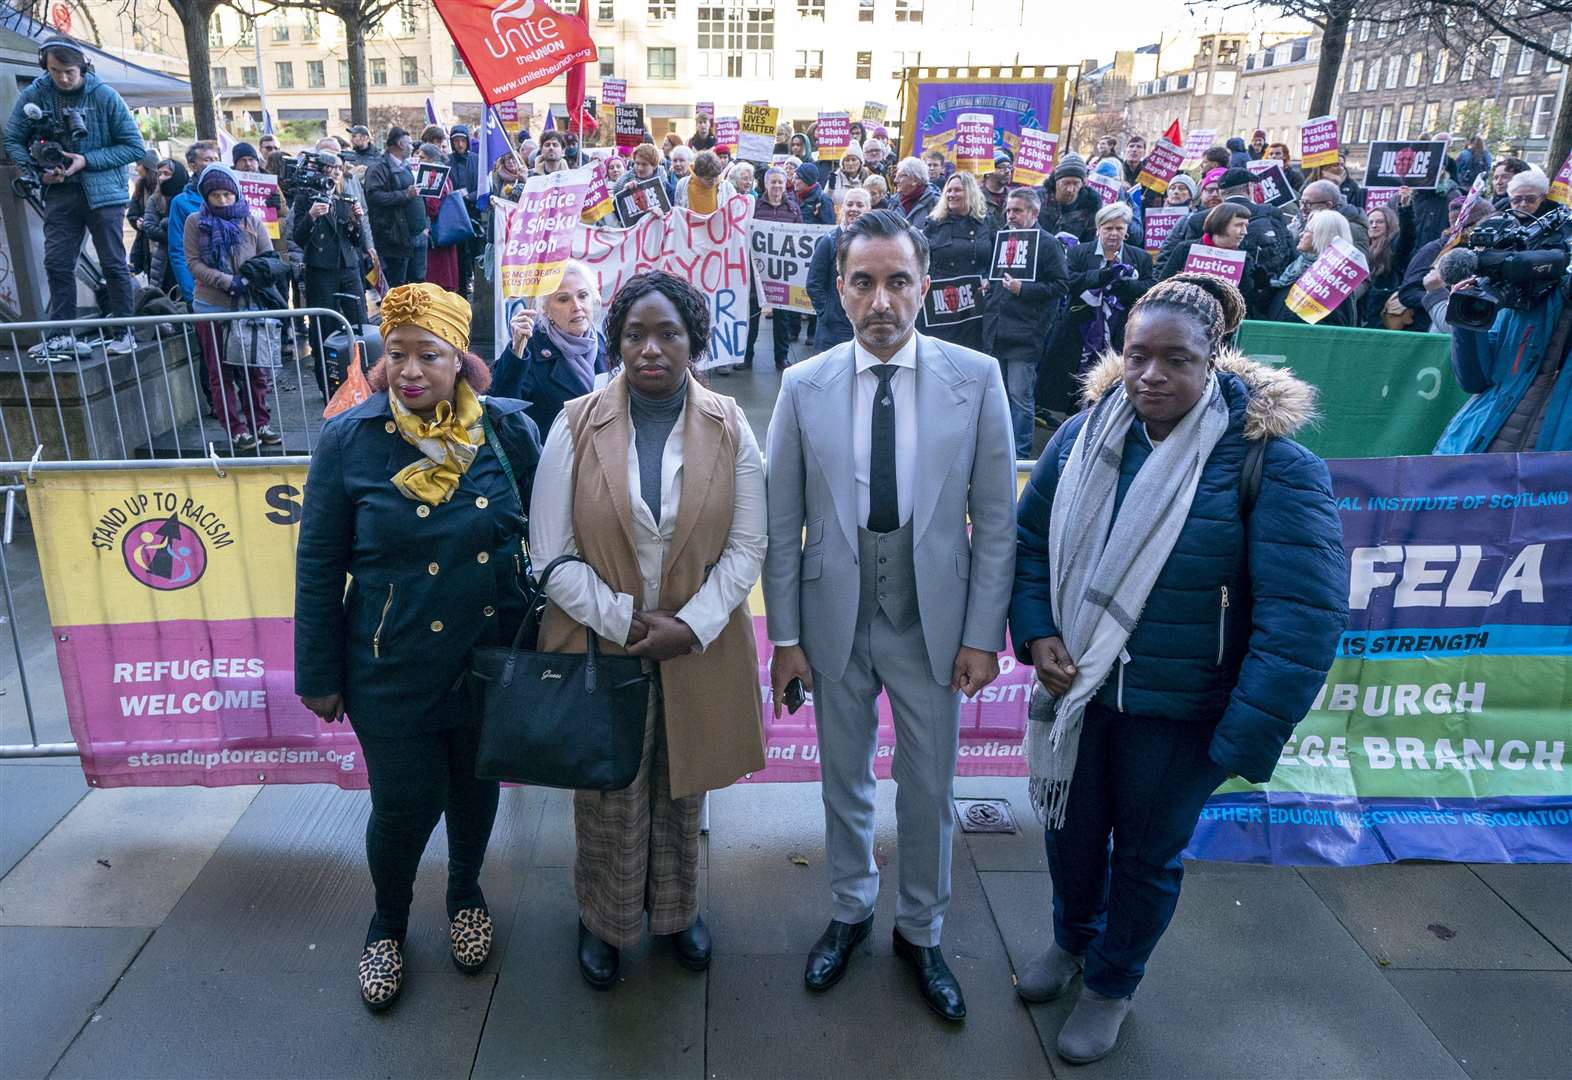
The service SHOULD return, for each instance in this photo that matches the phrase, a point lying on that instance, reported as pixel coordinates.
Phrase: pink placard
(1161, 165)
(1108, 189)
(1331, 280)
(974, 143)
(1219, 262)
(1159, 224)
(1035, 157)
(728, 130)
(1318, 142)
(704, 108)
(613, 91)
(832, 135)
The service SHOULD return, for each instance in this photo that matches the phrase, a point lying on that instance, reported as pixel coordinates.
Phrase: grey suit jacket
(965, 471)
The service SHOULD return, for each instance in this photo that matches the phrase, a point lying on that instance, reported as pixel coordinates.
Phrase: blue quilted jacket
(113, 141)
(1243, 621)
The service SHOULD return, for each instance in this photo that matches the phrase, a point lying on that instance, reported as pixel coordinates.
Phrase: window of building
(1394, 65)
(1405, 121)
(1498, 55)
(606, 11)
(1514, 109)
(284, 74)
(810, 9)
(311, 28)
(1544, 109)
(865, 65)
(1365, 116)
(248, 34)
(1432, 115)
(904, 60)
(1364, 30)
(1382, 30)
(1356, 74)
(409, 70)
(248, 76)
(343, 73)
(810, 63)
(1466, 72)
(1416, 63)
(1304, 97)
(1525, 60)
(406, 18)
(1384, 127)
(1558, 43)
(1438, 72)
(316, 74)
(1273, 106)
(663, 9)
(608, 62)
(1200, 82)
(459, 70)
(737, 39)
(280, 28)
(865, 10)
(215, 31)
(661, 63)
(1455, 123)
(379, 71)
(1373, 75)
(908, 11)
(1350, 118)
(220, 77)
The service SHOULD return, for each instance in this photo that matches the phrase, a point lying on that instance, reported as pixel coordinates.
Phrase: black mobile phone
(794, 695)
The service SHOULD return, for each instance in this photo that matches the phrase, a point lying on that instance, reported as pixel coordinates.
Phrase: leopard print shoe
(381, 974)
(471, 935)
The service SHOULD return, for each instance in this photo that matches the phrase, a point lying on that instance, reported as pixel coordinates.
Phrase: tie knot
(885, 371)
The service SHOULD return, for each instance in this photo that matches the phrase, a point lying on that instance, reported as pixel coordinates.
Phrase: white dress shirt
(904, 386)
(580, 592)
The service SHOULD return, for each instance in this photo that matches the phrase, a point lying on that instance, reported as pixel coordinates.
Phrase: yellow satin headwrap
(429, 307)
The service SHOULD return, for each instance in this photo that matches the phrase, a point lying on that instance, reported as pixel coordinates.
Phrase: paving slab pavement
(33, 800)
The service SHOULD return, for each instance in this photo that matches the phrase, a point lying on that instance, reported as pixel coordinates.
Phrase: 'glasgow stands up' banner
(1441, 733)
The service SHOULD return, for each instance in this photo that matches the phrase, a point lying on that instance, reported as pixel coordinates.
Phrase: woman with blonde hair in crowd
(960, 233)
(554, 351)
(1323, 227)
(878, 191)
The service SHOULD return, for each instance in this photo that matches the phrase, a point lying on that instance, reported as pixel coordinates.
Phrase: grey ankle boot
(1048, 976)
(1092, 1031)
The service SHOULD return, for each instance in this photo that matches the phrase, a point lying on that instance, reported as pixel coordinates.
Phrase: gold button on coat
(436, 627)
(482, 502)
(432, 569)
(422, 510)
(483, 557)
(390, 427)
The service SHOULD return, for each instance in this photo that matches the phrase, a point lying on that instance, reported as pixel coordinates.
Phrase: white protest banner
(781, 253)
(1219, 262)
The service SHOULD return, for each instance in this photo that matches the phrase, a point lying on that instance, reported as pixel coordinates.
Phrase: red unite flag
(511, 46)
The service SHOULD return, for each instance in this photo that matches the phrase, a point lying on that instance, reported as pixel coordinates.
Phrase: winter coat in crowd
(816, 207)
(333, 241)
(1076, 219)
(212, 282)
(397, 217)
(1016, 325)
(1244, 618)
(1426, 217)
(1470, 165)
(788, 210)
(920, 208)
(833, 327)
(1255, 281)
(958, 247)
(113, 142)
(1275, 296)
(1067, 349)
(543, 378)
(1268, 236)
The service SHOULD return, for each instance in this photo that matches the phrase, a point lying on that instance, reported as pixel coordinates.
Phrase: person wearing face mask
(172, 180)
(656, 483)
(1240, 594)
(833, 327)
(554, 352)
(409, 498)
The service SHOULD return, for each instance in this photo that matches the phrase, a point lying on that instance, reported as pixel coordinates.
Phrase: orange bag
(354, 391)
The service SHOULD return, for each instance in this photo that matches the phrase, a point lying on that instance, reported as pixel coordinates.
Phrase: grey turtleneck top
(653, 419)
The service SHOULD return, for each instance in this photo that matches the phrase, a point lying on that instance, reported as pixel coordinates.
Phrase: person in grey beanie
(1069, 206)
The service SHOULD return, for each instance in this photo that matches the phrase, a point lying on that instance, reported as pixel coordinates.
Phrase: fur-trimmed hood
(1280, 402)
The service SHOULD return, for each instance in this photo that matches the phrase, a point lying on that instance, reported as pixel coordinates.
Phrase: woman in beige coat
(657, 483)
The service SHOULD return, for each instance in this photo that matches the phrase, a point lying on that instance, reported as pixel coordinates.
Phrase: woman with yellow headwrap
(414, 497)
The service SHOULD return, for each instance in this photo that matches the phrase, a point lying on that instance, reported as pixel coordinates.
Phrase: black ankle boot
(598, 961)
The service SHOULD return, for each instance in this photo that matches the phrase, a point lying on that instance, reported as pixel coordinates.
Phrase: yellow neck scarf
(449, 442)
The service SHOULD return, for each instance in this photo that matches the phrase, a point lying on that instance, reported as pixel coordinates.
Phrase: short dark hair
(394, 135)
(692, 308)
(1027, 195)
(1218, 217)
(885, 224)
(1512, 165)
(69, 55)
(548, 136)
(1218, 155)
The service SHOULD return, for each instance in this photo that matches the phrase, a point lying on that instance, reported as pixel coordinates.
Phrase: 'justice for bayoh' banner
(1441, 732)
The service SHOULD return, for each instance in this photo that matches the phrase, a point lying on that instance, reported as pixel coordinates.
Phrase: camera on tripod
(54, 136)
(1514, 263)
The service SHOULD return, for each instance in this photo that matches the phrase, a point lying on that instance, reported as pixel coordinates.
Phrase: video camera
(308, 172)
(1514, 263)
(52, 136)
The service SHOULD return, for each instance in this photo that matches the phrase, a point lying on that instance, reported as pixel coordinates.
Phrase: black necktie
(884, 507)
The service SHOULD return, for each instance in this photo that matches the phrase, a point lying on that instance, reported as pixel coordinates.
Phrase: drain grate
(985, 815)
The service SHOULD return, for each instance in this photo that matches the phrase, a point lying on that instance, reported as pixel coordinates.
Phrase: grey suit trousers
(927, 732)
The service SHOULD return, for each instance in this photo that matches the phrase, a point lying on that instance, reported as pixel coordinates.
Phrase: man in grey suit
(880, 451)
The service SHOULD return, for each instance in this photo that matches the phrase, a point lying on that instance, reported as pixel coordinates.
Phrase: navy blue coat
(817, 207)
(1243, 622)
(833, 326)
(427, 583)
(542, 378)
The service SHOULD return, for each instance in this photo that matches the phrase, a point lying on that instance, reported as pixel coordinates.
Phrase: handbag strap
(513, 481)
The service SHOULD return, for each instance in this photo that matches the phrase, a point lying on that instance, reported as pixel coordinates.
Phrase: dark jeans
(322, 287)
(414, 782)
(403, 265)
(66, 218)
(1143, 781)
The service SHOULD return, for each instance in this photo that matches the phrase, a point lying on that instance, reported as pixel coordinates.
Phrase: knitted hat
(853, 149)
(1002, 156)
(243, 149)
(1071, 165)
(218, 177)
(1110, 168)
(430, 307)
(1187, 182)
(1214, 176)
(807, 173)
(459, 129)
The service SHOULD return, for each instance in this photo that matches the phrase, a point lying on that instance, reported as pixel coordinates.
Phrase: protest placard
(1561, 186)
(1219, 262)
(873, 112)
(614, 91)
(1035, 157)
(639, 198)
(1159, 224)
(1199, 141)
(1330, 281)
(756, 133)
(728, 132)
(510, 48)
(953, 300)
(1318, 143)
(539, 233)
(597, 198)
(258, 189)
(430, 178)
(1378, 196)
(1271, 185)
(1015, 254)
(781, 253)
(1408, 163)
(974, 143)
(1107, 188)
(704, 108)
(832, 135)
(630, 126)
(1161, 165)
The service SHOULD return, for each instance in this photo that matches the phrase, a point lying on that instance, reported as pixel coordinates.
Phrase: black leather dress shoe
(598, 961)
(692, 945)
(939, 988)
(829, 956)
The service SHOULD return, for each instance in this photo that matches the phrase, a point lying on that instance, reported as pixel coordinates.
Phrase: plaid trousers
(638, 849)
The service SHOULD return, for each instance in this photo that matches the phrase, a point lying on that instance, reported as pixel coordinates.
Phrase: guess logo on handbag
(549, 674)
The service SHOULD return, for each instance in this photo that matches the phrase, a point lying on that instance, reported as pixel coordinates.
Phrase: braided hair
(1217, 306)
(692, 309)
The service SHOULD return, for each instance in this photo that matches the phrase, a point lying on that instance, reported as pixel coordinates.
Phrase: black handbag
(564, 720)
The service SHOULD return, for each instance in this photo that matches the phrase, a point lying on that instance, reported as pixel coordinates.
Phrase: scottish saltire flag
(267, 122)
(493, 144)
(551, 125)
(431, 113)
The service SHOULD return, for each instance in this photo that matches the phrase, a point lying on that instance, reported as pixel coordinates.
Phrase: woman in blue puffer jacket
(1181, 620)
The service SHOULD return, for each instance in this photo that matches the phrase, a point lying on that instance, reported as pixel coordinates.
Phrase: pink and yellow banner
(539, 238)
(1318, 143)
(974, 143)
(258, 189)
(1161, 166)
(832, 134)
(1035, 154)
(1330, 281)
(1560, 186)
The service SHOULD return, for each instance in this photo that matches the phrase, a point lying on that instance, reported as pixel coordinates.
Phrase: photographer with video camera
(72, 138)
(330, 229)
(1511, 327)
